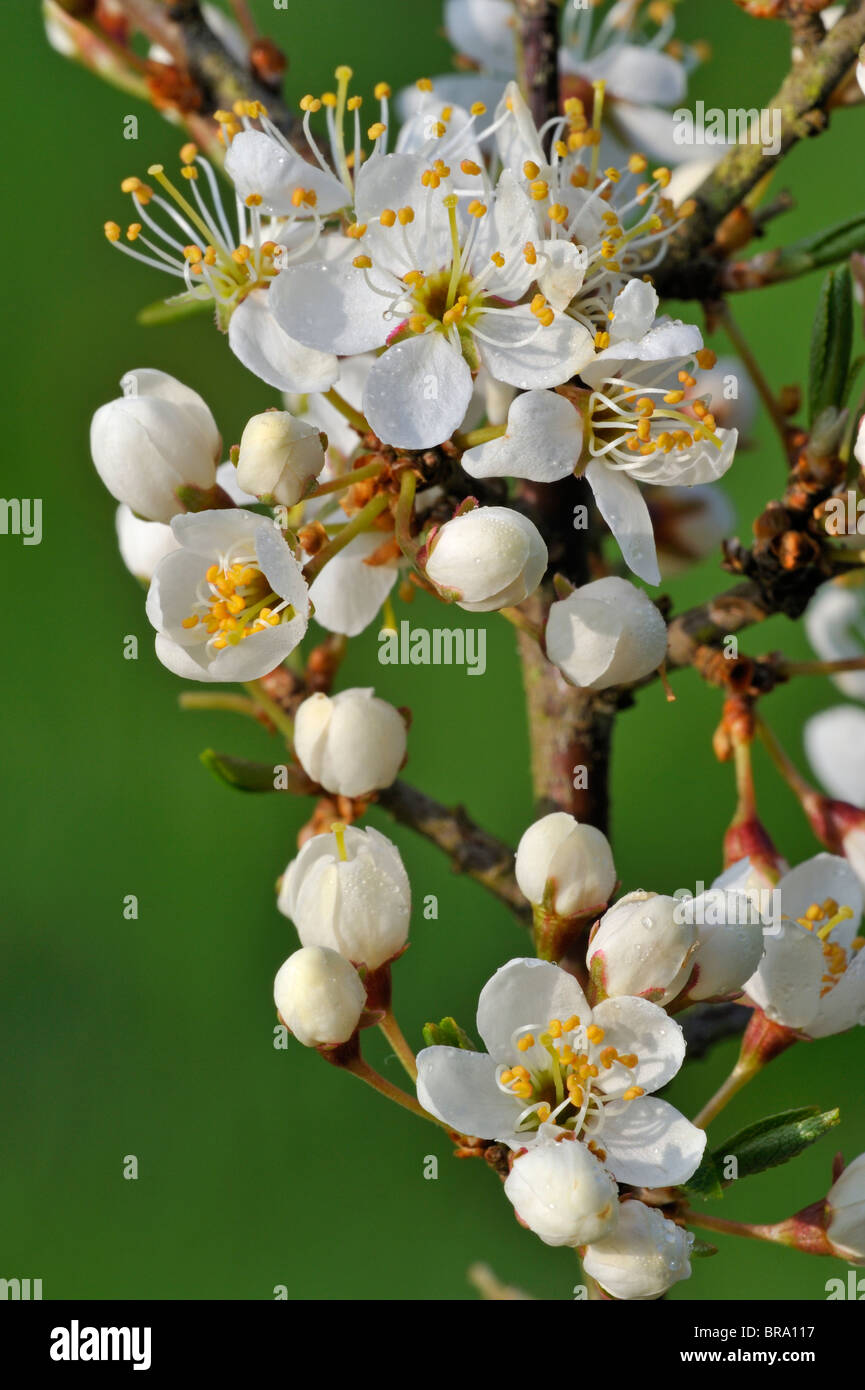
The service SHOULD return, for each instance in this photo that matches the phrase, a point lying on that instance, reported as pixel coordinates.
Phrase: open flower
(553, 1060)
(643, 1256)
(348, 890)
(436, 282)
(156, 439)
(487, 558)
(231, 602)
(605, 633)
(562, 1192)
(351, 743)
(812, 976)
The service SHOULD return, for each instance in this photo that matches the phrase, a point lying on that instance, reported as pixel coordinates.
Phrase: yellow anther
(530, 254)
(468, 166)
(686, 379)
(531, 169)
(381, 91)
(438, 129)
(413, 277)
(525, 1043)
(405, 216)
(354, 103)
(856, 944)
(628, 1059)
(112, 231)
(417, 323)
(304, 197)
(476, 208)
(189, 171)
(130, 185)
(539, 190)
(674, 397)
(189, 622)
(645, 406)
(602, 340)
(638, 163)
(362, 262)
(571, 1023)
(687, 209)
(387, 217)
(554, 1028)
(253, 200)
(662, 176)
(376, 129)
(594, 1033)
(579, 177)
(497, 259)
(193, 254)
(612, 174)
(543, 1112)
(356, 230)
(133, 231)
(706, 358)
(560, 148)
(557, 212)
(633, 1092)
(241, 254)
(424, 84)
(478, 108)
(608, 1057)
(506, 1078)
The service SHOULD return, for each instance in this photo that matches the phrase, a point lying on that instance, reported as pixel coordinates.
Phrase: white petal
(650, 1144)
(637, 73)
(484, 30)
(258, 164)
(844, 1006)
(563, 272)
(816, 879)
(623, 507)
(835, 744)
(256, 338)
(459, 1087)
(526, 991)
(543, 441)
(347, 594)
(555, 353)
(634, 310)
(786, 984)
(418, 392)
(330, 306)
(636, 1025)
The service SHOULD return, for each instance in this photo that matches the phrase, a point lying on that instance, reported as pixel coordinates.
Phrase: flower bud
(350, 743)
(641, 946)
(562, 1192)
(319, 996)
(643, 1257)
(605, 633)
(348, 890)
(845, 1208)
(156, 438)
(279, 457)
(729, 927)
(488, 558)
(142, 544)
(565, 866)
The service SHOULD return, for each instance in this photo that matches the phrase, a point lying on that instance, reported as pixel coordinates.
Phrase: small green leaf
(702, 1248)
(831, 343)
(775, 1139)
(239, 773)
(818, 250)
(706, 1182)
(448, 1033)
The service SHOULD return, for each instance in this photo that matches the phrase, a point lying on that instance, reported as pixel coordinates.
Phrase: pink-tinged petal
(526, 991)
(649, 1144)
(418, 392)
(636, 1026)
(259, 342)
(459, 1087)
(623, 507)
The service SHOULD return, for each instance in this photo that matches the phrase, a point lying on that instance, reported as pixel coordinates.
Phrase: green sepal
(448, 1033)
(179, 306)
(702, 1248)
(831, 343)
(242, 774)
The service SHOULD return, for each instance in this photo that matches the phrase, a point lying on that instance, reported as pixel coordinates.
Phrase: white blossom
(279, 458)
(487, 558)
(319, 997)
(563, 1193)
(231, 602)
(350, 743)
(812, 975)
(835, 745)
(551, 1060)
(157, 437)
(348, 890)
(565, 865)
(643, 1257)
(605, 633)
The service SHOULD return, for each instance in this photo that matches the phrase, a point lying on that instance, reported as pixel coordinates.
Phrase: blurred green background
(154, 1037)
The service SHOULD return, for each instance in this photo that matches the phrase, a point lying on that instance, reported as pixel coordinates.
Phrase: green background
(154, 1037)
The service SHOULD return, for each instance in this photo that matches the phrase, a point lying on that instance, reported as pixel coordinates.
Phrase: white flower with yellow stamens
(231, 602)
(630, 427)
(552, 1060)
(189, 234)
(437, 281)
(812, 975)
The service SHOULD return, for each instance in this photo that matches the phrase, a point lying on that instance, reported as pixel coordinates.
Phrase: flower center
(557, 1073)
(233, 602)
(823, 918)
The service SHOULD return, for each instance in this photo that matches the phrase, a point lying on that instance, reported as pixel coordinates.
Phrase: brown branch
(181, 29)
(690, 270)
(472, 851)
(538, 40)
(707, 1024)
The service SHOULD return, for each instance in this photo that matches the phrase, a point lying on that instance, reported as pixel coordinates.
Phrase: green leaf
(179, 306)
(775, 1140)
(820, 249)
(831, 343)
(240, 773)
(448, 1033)
(706, 1182)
